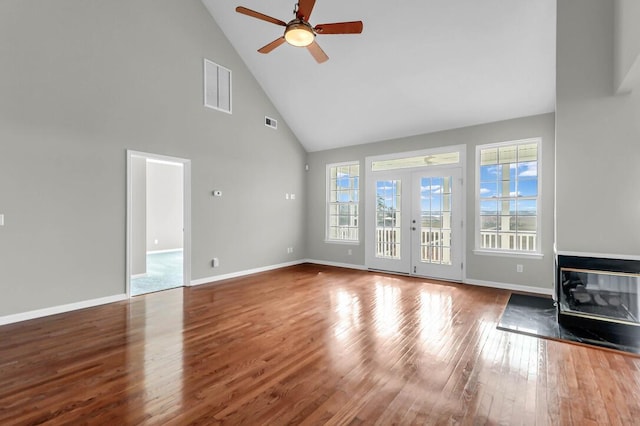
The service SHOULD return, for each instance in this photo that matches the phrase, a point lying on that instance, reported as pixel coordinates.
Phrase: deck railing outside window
(388, 243)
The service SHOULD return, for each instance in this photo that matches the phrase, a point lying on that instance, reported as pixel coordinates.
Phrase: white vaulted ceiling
(418, 67)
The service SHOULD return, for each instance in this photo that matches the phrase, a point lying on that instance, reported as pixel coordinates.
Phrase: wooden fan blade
(269, 47)
(354, 27)
(317, 52)
(304, 9)
(259, 15)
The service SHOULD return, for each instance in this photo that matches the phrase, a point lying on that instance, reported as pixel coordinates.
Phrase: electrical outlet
(519, 268)
(215, 262)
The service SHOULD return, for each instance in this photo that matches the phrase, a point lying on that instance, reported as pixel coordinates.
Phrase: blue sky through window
(347, 188)
(431, 194)
(523, 182)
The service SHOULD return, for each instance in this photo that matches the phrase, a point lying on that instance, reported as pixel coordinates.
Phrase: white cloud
(431, 187)
(492, 170)
(484, 191)
(434, 189)
(530, 169)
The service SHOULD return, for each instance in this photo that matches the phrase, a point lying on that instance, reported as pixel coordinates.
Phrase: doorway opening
(414, 213)
(158, 228)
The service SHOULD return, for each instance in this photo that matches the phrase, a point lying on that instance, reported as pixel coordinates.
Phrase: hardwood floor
(307, 345)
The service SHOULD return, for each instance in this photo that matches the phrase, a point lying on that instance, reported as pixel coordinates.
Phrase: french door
(414, 222)
(436, 224)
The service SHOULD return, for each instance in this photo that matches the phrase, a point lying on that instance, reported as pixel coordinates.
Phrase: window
(416, 161)
(343, 181)
(508, 209)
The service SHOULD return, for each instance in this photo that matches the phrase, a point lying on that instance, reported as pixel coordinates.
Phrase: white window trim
(537, 254)
(328, 200)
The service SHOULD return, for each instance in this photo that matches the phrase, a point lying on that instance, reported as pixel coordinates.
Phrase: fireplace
(599, 297)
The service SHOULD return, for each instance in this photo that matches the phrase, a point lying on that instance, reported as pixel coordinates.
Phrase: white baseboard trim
(512, 287)
(337, 264)
(504, 286)
(38, 313)
(215, 278)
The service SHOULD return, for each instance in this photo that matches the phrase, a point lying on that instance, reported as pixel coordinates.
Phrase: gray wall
(597, 139)
(627, 44)
(81, 82)
(537, 273)
(164, 206)
(138, 216)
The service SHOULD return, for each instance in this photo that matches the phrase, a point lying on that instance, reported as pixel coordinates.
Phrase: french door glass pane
(388, 223)
(435, 220)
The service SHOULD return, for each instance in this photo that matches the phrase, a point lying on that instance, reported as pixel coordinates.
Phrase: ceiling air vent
(270, 122)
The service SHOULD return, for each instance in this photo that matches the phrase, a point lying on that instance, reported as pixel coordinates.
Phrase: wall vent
(217, 87)
(270, 122)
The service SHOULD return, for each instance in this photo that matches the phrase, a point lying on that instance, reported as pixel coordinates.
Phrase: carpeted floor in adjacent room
(164, 271)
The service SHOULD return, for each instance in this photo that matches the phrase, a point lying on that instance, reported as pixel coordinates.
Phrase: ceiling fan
(298, 32)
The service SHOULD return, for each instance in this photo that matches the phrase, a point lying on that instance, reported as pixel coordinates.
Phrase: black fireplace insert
(600, 296)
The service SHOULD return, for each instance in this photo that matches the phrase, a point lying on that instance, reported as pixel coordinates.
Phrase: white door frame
(370, 208)
(186, 181)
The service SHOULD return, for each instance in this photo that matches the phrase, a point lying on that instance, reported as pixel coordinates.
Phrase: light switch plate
(2, 219)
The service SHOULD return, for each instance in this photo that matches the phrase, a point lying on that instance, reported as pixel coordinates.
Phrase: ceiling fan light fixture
(299, 34)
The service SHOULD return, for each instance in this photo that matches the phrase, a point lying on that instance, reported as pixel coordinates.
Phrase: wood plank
(311, 345)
